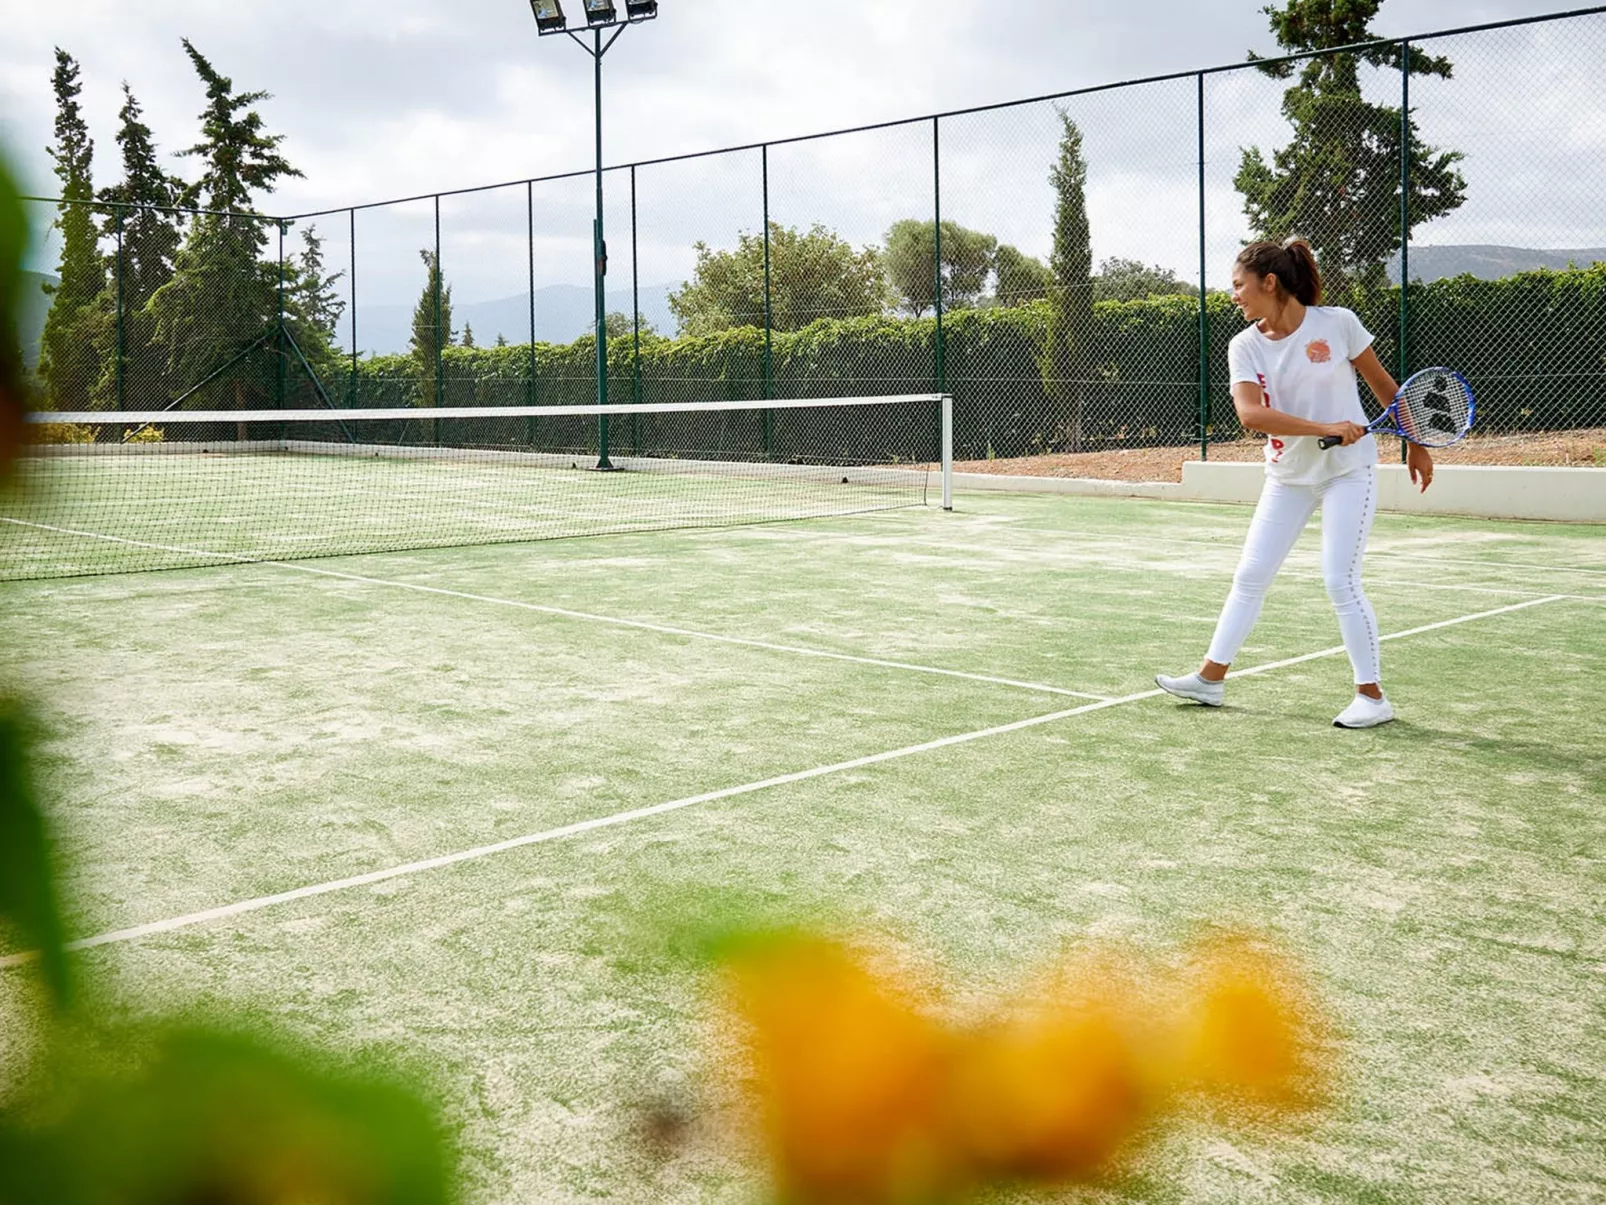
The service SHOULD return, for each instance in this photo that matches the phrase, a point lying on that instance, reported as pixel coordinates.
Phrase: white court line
(566, 613)
(1234, 547)
(585, 826)
(1234, 542)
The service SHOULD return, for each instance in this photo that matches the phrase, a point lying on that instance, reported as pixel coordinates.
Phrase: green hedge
(1534, 346)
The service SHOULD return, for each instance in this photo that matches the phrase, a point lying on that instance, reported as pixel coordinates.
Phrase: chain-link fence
(1061, 265)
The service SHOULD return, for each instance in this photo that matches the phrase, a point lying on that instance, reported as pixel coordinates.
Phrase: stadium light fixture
(549, 16)
(601, 15)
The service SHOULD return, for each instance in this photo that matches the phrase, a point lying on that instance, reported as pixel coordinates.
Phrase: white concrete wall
(1490, 492)
(1483, 491)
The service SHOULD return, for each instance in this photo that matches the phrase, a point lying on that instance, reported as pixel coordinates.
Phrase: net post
(947, 405)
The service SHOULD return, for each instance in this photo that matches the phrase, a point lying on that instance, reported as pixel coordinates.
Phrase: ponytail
(1292, 262)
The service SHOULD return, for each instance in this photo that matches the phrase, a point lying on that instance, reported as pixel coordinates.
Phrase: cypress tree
(1067, 358)
(429, 335)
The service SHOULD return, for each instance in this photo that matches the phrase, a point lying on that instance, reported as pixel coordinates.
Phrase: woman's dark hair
(1293, 263)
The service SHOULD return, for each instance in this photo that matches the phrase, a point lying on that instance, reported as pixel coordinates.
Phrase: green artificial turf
(221, 734)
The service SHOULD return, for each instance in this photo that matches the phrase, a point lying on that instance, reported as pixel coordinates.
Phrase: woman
(1294, 380)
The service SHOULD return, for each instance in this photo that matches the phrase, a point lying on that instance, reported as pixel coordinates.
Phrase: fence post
(635, 310)
(531, 394)
(351, 215)
(278, 360)
(122, 399)
(1405, 218)
(939, 367)
(1204, 312)
(769, 317)
(440, 335)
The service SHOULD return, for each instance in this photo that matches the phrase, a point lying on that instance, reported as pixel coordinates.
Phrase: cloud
(408, 97)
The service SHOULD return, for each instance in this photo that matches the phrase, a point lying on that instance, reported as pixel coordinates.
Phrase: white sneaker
(1192, 686)
(1364, 712)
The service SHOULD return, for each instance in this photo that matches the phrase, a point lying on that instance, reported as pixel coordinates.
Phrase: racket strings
(1435, 408)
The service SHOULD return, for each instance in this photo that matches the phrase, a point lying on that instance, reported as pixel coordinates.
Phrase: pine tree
(68, 360)
(432, 331)
(150, 236)
(145, 237)
(1337, 182)
(1067, 359)
(313, 305)
(223, 297)
(468, 335)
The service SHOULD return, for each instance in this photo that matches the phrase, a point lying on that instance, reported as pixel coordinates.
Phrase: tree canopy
(1130, 280)
(1018, 277)
(911, 254)
(813, 274)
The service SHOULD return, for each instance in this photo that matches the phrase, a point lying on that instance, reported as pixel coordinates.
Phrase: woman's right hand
(1347, 433)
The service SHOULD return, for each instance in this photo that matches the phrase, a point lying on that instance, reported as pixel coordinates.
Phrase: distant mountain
(1488, 262)
(562, 314)
(31, 313)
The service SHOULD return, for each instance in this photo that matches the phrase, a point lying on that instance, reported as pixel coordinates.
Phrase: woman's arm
(1418, 460)
(1255, 415)
(1376, 376)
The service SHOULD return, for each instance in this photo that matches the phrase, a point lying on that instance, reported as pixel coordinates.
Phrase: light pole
(601, 15)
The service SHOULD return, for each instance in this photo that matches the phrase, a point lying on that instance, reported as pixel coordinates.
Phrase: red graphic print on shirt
(1317, 351)
(1265, 400)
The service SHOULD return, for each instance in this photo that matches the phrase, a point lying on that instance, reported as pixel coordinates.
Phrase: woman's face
(1255, 296)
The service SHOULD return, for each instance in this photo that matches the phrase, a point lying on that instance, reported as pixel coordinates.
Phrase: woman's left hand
(1419, 462)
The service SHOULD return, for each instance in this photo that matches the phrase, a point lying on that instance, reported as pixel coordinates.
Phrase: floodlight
(641, 10)
(600, 12)
(548, 15)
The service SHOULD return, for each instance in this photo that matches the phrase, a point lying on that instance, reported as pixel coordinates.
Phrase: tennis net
(115, 492)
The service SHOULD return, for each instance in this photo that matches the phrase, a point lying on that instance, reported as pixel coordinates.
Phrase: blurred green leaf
(231, 1120)
(27, 887)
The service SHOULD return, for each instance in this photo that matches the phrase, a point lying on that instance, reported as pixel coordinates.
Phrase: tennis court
(940, 726)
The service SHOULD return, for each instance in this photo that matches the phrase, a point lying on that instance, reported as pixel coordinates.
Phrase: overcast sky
(380, 100)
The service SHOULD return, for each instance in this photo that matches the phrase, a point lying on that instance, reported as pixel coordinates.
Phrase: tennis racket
(1433, 408)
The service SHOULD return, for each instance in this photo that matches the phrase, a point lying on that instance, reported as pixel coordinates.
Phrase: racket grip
(1328, 441)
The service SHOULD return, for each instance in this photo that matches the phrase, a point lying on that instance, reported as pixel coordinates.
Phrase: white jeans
(1348, 505)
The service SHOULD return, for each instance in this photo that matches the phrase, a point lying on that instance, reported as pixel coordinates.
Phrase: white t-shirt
(1308, 374)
